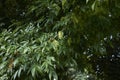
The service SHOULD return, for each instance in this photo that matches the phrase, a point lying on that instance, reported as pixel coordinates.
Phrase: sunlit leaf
(93, 5)
(60, 34)
(33, 71)
(63, 3)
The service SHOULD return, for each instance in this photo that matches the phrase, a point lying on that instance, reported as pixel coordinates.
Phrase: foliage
(54, 39)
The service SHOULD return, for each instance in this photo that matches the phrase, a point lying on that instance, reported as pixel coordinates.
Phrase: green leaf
(60, 34)
(38, 68)
(93, 5)
(2, 65)
(15, 75)
(53, 74)
(3, 47)
(87, 1)
(33, 71)
(19, 72)
(55, 44)
(38, 57)
(75, 18)
(56, 9)
(26, 50)
(63, 3)
(16, 61)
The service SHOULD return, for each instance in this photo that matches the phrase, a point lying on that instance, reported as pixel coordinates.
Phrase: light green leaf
(15, 75)
(3, 47)
(60, 34)
(33, 72)
(16, 61)
(63, 2)
(19, 72)
(87, 1)
(26, 50)
(93, 5)
(55, 44)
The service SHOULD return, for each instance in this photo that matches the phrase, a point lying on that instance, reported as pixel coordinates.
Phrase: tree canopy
(59, 39)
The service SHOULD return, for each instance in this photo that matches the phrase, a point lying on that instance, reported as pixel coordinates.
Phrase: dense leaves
(57, 39)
